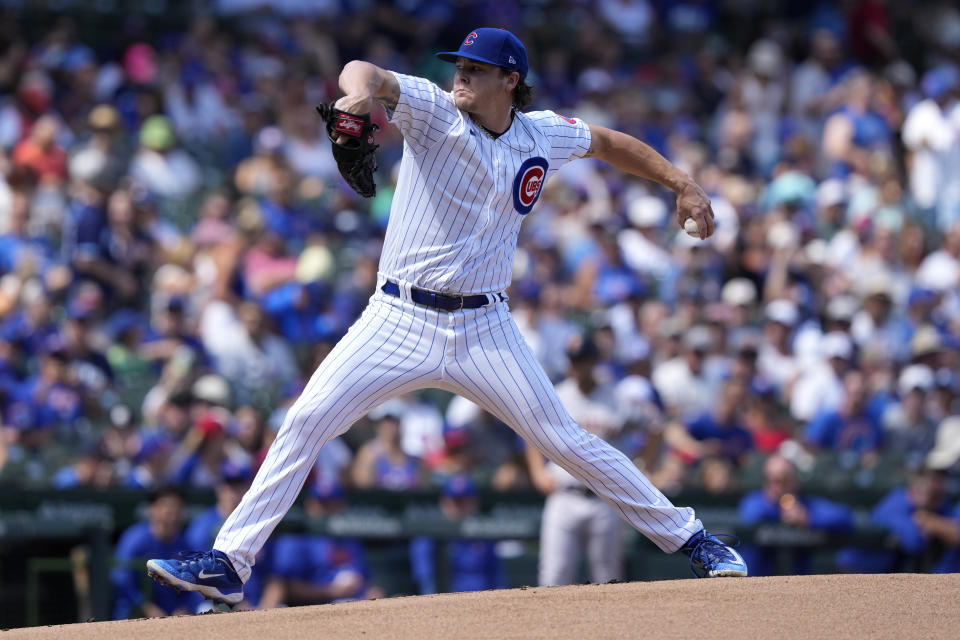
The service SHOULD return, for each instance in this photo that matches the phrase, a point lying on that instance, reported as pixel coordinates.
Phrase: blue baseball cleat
(209, 573)
(710, 558)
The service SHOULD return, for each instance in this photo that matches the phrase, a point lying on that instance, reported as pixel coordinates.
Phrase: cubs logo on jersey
(528, 184)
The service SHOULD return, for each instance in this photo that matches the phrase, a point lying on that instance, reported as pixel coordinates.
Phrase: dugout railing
(56, 546)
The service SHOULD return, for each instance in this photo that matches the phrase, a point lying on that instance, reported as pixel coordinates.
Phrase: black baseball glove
(355, 156)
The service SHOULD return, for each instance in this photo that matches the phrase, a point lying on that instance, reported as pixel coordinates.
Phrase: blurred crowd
(178, 251)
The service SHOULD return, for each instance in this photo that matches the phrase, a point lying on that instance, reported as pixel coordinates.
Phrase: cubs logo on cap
(529, 183)
(498, 47)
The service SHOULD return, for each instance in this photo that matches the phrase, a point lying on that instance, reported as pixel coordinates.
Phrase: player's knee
(571, 447)
(317, 413)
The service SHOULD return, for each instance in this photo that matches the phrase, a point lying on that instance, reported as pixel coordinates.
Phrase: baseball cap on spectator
(635, 395)
(765, 58)
(595, 80)
(390, 409)
(103, 117)
(210, 425)
(157, 133)
(915, 376)
(783, 312)
(647, 211)
(35, 90)
(783, 235)
(939, 272)
(697, 338)
(791, 188)
(498, 47)
(459, 485)
(315, 263)
(926, 340)
(582, 349)
(938, 82)
(85, 302)
(816, 252)
(746, 343)
(212, 389)
(55, 345)
(717, 313)
(124, 321)
(946, 449)
(877, 285)
(235, 471)
(739, 292)
(121, 416)
(830, 193)
(270, 139)
(900, 74)
(461, 412)
(920, 296)
(325, 490)
(842, 308)
(152, 444)
(944, 378)
(836, 344)
(456, 439)
(140, 63)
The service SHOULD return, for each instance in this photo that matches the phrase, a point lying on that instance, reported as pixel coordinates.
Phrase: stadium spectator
(780, 501)
(471, 565)
(202, 529)
(162, 531)
(909, 429)
(852, 428)
(719, 433)
(382, 462)
(160, 164)
(314, 569)
(919, 517)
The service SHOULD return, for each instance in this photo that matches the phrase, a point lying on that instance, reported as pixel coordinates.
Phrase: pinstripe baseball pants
(396, 347)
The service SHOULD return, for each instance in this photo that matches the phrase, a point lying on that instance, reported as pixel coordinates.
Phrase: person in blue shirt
(853, 428)
(716, 434)
(314, 569)
(203, 528)
(473, 565)
(926, 530)
(779, 501)
(161, 533)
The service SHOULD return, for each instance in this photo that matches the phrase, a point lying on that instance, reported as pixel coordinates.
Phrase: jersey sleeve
(569, 137)
(425, 113)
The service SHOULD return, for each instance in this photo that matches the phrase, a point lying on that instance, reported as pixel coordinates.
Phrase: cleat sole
(179, 586)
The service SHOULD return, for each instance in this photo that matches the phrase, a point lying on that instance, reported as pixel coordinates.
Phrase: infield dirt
(784, 608)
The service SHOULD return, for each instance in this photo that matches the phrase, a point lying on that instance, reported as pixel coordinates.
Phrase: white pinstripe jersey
(461, 195)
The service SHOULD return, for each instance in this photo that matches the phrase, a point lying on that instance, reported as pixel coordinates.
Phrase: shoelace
(205, 559)
(710, 546)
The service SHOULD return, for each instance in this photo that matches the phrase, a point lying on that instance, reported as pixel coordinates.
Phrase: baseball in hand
(690, 226)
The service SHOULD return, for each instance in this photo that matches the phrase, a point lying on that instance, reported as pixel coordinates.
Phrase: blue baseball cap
(235, 471)
(325, 490)
(493, 46)
(459, 485)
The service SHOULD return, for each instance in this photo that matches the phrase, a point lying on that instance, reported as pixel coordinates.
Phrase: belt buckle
(460, 308)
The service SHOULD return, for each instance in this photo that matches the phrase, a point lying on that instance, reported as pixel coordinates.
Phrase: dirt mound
(850, 606)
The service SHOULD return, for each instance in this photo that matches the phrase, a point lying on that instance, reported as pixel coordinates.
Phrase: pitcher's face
(477, 84)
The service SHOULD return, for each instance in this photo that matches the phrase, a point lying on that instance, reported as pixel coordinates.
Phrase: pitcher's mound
(849, 606)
